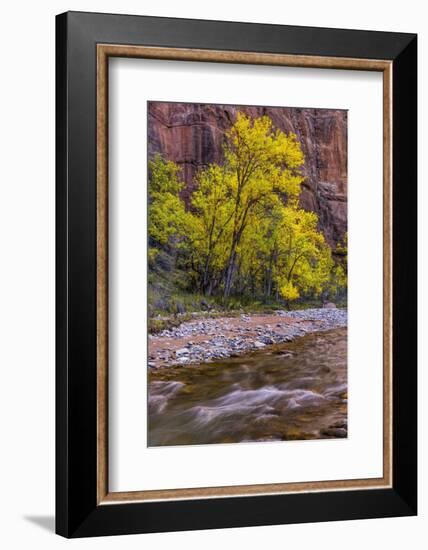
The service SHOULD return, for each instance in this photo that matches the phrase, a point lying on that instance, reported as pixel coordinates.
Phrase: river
(288, 391)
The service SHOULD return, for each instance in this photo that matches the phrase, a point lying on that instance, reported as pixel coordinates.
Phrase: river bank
(282, 392)
(205, 340)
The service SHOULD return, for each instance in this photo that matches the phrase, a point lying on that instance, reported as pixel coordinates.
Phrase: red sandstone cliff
(191, 135)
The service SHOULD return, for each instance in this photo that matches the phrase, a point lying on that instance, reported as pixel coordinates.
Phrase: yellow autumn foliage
(243, 232)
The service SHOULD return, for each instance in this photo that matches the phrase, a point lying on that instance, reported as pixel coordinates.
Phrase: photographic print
(247, 273)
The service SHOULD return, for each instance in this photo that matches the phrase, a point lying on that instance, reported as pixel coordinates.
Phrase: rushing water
(296, 390)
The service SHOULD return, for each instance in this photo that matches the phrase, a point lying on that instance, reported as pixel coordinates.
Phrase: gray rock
(197, 349)
(267, 340)
(258, 344)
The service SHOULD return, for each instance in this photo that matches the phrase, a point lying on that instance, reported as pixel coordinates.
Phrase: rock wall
(192, 134)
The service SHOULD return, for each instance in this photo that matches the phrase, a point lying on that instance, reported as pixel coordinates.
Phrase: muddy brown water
(289, 391)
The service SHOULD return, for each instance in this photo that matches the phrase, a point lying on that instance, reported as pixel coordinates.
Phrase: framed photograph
(236, 274)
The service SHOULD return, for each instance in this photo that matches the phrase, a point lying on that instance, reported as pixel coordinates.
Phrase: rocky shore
(210, 339)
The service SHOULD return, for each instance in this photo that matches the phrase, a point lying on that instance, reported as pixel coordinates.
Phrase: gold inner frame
(104, 51)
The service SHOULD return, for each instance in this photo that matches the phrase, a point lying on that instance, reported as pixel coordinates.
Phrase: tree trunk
(229, 273)
(210, 288)
(268, 283)
(206, 277)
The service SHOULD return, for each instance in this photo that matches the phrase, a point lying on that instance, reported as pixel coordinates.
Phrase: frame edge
(103, 520)
(61, 267)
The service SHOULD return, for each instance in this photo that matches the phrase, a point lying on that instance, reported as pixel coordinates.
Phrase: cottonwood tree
(261, 164)
(243, 231)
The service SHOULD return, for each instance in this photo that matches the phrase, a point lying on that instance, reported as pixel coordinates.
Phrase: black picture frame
(77, 511)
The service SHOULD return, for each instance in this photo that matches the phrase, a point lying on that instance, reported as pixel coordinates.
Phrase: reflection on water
(289, 391)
